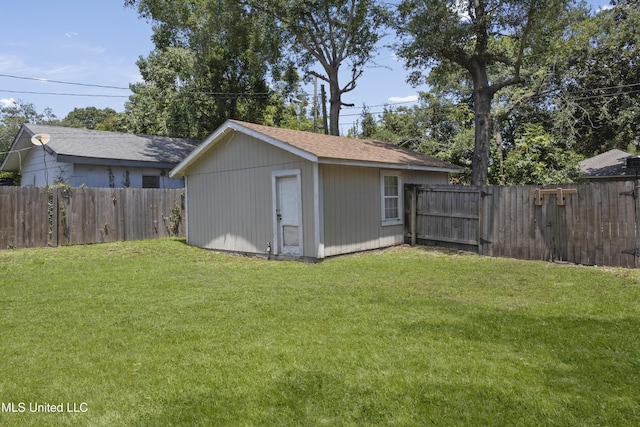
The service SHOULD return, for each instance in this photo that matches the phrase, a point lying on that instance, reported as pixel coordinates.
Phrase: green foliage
(211, 62)
(489, 39)
(106, 119)
(601, 78)
(328, 33)
(436, 127)
(13, 116)
(538, 159)
(9, 177)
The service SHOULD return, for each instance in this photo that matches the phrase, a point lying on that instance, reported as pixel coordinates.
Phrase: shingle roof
(335, 147)
(326, 148)
(101, 145)
(608, 164)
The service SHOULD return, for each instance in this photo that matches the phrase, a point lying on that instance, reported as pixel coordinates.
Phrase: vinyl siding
(352, 203)
(229, 196)
(34, 168)
(36, 172)
(98, 176)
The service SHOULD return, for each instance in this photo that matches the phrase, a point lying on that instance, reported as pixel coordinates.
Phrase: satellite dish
(40, 139)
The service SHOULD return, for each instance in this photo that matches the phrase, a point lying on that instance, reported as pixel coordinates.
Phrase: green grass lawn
(160, 333)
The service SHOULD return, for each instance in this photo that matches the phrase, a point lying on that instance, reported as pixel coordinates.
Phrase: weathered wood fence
(590, 224)
(31, 217)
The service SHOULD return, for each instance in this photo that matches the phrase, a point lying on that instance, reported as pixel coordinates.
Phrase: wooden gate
(446, 216)
(590, 223)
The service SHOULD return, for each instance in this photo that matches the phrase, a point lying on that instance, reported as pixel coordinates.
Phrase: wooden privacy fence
(591, 223)
(31, 217)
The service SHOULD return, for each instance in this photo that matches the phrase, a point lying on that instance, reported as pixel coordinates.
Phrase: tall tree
(329, 33)
(489, 39)
(211, 62)
(600, 84)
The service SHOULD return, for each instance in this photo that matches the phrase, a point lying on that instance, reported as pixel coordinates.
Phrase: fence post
(481, 219)
(414, 215)
(636, 198)
(54, 217)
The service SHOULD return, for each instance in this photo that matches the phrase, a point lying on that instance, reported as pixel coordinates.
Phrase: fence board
(32, 216)
(591, 223)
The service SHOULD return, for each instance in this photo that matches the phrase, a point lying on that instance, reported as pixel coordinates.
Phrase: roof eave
(95, 161)
(403, 166)
(12, 150)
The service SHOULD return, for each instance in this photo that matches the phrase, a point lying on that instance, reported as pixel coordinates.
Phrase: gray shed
(285, 193)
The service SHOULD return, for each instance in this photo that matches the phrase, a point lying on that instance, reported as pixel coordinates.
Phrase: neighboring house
(608, 166)
(95, 158)
(262, 190)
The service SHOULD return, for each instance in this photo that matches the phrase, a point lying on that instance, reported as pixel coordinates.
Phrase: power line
(42, 80)
(63, 94)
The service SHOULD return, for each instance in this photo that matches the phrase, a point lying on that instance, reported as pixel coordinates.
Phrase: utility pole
(315, 104)
(324, 110)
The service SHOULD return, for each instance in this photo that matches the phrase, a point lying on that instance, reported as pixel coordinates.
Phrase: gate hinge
(485, 242)
(485, 194)
(631, 193)
(635, 252)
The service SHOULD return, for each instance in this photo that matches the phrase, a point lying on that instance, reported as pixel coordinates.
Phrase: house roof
(325, 149)
(610, 164)
(96, 147)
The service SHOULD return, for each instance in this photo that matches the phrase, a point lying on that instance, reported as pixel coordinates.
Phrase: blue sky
(97, 42)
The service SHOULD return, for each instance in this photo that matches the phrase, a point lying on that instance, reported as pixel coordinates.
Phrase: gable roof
(612, 163)
(323, 149)
(97, 147)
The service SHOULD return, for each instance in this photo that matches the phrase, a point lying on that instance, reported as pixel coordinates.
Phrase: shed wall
(229, 196)
(352, 203)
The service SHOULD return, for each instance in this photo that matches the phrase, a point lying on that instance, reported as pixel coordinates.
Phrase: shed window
(150, 181)
(391, 198)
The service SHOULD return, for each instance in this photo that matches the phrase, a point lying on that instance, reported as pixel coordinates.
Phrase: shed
(285, 193)
(95, 158)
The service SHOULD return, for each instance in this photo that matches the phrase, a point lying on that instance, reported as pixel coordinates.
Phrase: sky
(97, 43)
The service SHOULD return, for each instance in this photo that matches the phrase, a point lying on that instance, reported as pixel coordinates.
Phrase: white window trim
(391, 221)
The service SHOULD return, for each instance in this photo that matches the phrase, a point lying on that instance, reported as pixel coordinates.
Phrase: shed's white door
(287, 215)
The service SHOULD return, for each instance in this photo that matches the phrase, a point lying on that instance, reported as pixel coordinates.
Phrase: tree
(489, 39)
(329, 33)
(600, 84)
(95, 118)
(435, 126)
(211, 62)
(13, 116)
(538, 159)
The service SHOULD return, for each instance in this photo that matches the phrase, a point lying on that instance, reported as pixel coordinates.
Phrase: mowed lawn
(158, 333)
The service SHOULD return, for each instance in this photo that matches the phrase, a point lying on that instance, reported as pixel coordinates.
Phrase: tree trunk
(335, 104)
(482, 96)
(499, 152)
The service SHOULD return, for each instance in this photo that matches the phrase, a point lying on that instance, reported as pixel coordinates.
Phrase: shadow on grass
(591, 364)
(557, 370)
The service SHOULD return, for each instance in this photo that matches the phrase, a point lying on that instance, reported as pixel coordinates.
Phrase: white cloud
(7, 102)
(10, 62)
(399, 99)
(70, 34)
